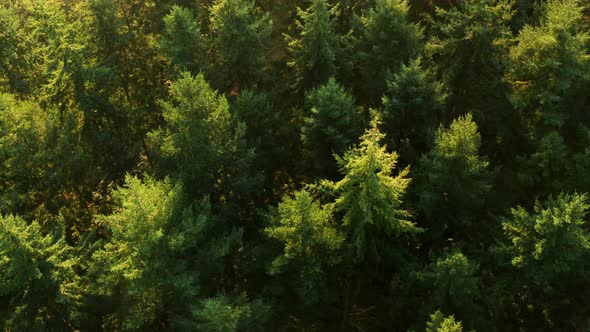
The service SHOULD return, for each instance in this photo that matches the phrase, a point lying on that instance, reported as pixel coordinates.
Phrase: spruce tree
(315, 51)
(182, 43)
(454, 285)
(240, 36)
(549, 250)
(311, 242)
(202, 144)
(387, 40)
(154, 222)
(439, 323)
(468, 46)
(549, 71)
(370, 197)
(413, 107)
(39, 284)
(333, 125)
(452, 182)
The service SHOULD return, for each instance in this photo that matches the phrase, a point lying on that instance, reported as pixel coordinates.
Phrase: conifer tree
(439, 323)
(182, 43)
(223, 314)
(202, 143)
(468, 45)
(311, 243)
(39, 285)
(153, 223)
(452, 181)
(454, 286)
(315, 51)
(549, 250)
(333, 125)
(370, 197)
(240, 36)
(387, 40)
(549, 70)
(266, 125)
(413, 108)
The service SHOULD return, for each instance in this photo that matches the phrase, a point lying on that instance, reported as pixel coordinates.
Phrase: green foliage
(413, 108)
(307, 257)
(315, 51)
(334, 124)
(202, 141)
(153, 225)
(468, 47)
(266, 124)
(549, 65)
(552, 241)
(220, 314)
(304, 227)
(39, 286)
(311, 243)
(261, 194)
(549, 249)
(43, 163)
(454, 285)
(388, 39)
(439, 323)
(240, 37)
(370, 196)
(182, 43)
(453, 180)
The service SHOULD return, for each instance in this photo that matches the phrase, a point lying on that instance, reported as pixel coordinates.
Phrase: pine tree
(439, 323)
(240, 37)
(454, 286)
(549, 250)
(333, 125)
(370, 197)
(388, 39)
(413, 108)
(452, 182)
(311, 243)
(202, 143)
(315, 51)
(549, 70)
(44, 170)
(269, 130)
(468, 48)
(182, 43)
(223, 314)
(153, 231)
(39, 286)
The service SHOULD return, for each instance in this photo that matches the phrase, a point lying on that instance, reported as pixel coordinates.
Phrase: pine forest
(295, 165)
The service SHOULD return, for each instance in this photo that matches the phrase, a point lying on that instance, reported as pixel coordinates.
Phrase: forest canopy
(308, 165)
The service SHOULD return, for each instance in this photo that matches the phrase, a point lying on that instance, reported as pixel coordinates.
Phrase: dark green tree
(468, 46)
(311, 243)
(202, 143)
(549, 250)
(223, 314)
(315, 51)
(549, 71)
(182, 43)
(413, 108)
(452, 182)
(387, 39)
(153, 223)
(333, 125)
(240, 37)
(453, 285)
